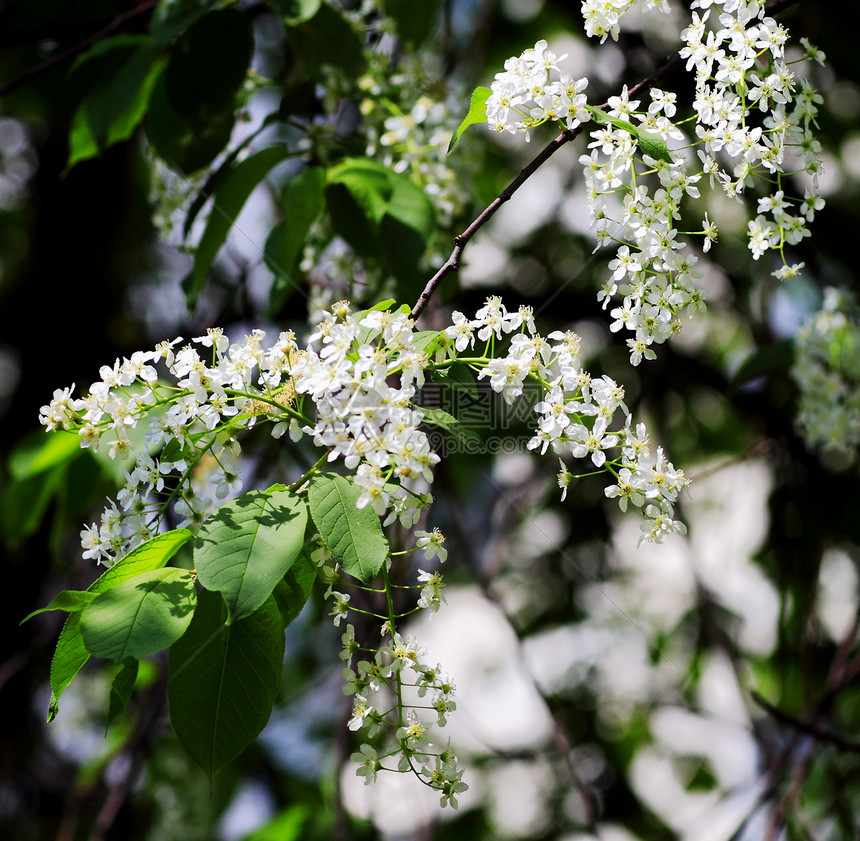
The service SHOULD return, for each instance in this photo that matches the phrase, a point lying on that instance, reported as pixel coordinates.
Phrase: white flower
(432, 544)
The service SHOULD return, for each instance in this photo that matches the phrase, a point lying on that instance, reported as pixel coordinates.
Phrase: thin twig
(841, 672)
(452, 264)
(811, 728)
(78, 48)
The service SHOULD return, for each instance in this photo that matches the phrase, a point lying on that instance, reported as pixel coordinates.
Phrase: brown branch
(78, 48)
(842, 671)
(810, 728)
(452, 264)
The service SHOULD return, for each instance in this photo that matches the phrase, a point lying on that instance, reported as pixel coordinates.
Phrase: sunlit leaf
(477, 114)
(247, 546)
(139, 616)
(352, 535)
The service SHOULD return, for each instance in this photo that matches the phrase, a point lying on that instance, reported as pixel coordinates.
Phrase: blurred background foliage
(670, 692)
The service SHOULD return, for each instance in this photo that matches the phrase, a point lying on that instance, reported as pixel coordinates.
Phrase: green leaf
(223, 679)
(123, 41)
(191, 111)
(296, 11)
(183, 147)
(117, 103)
(302, 204)
(230, 196)
(352, 535)
(208, 64)
(770, 359)
(426, 339)
(71, 601)
(649, 143)
(39, 452)
(225, 165)
(172, 17)
(248, 545)
(477, 114)
(23, 504)
(369, 182)
(382, 306)
(459, 376)
(120, 691)
(414, 20)
(654, 146)
(294, 589)
(405, 232)
(380, 213)
(139, 616)
(438, 417)
(286, 826)
(327, 38)
(71, 653)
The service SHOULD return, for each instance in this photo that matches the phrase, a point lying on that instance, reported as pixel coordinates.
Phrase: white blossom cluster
(410, 134)
(398, 692)
(602, 17)
(191, 423)
(747, 114)
(576, 413)
(360, 417)
(350, 389)
(827, 373)
(749, 108)
(525, 95)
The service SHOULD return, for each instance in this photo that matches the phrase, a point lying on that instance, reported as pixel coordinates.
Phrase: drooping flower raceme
(827, 372)
(753, 127)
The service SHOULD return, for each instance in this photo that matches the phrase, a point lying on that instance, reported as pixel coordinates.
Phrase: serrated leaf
(772, 358)
(414, 21)
(296, 11)
(654, 146)
(649, 143)
(39, 452)
(71, 601)
(116, 104)
(71, 654)
(352, 535)
(139, 616)
(292, 592)
(303, 202)
(438, 417)
(120, 691)
(247, 546)
(327, 38)
(229, 199)
(172, 18)
(459, 377)
(425, 339)
(477, 114)
(223, 680)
